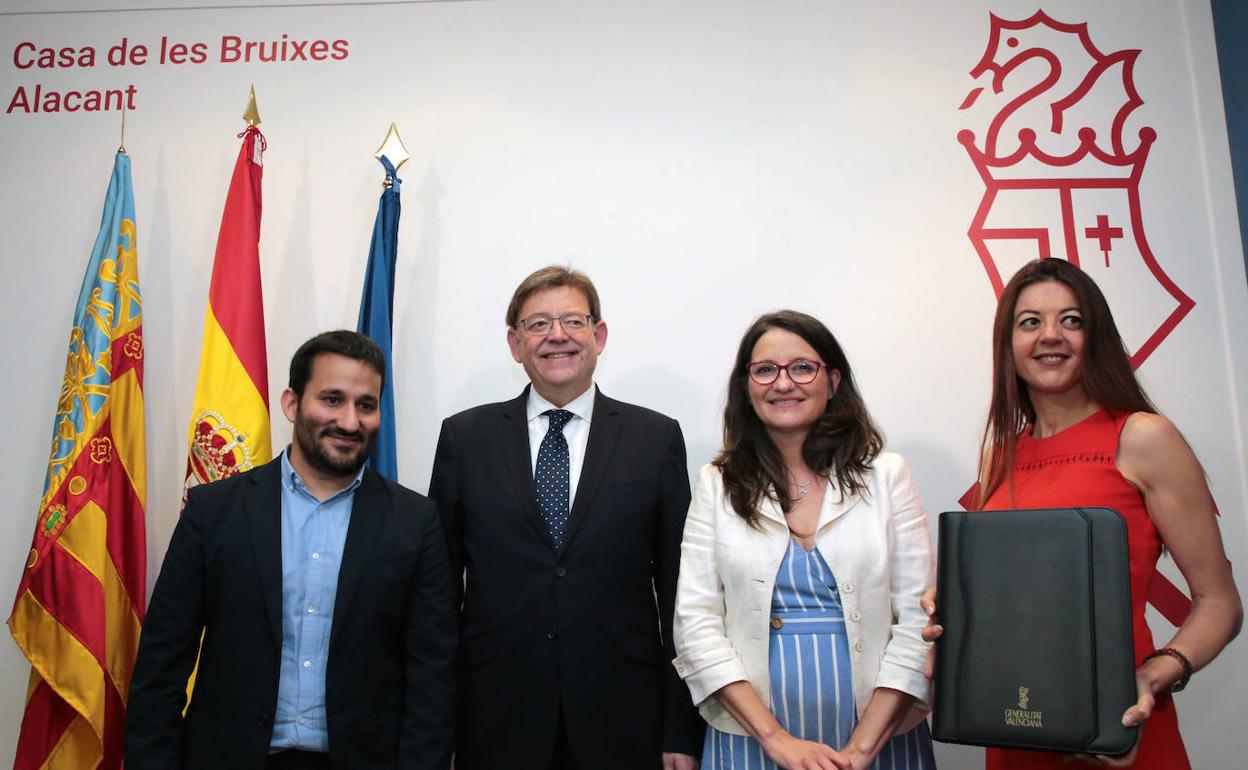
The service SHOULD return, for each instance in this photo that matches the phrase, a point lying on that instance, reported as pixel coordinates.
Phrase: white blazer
(879, 548)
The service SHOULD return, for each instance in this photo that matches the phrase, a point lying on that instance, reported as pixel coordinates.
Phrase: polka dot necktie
(550, 480)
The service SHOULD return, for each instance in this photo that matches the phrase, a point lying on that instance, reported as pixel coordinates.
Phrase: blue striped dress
(812, 694)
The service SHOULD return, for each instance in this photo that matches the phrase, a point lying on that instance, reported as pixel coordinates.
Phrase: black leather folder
(1037, 650)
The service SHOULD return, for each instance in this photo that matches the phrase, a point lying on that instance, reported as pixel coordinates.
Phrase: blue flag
(377, 313)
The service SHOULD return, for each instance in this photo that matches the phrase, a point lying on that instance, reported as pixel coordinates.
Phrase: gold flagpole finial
(122, 147)
(252, 113)
(392, 147)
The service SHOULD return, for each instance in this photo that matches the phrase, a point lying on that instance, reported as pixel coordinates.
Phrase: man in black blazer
(323, 595)
(564, 511)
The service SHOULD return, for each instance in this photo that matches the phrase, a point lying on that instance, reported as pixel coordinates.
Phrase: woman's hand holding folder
(1135, 715)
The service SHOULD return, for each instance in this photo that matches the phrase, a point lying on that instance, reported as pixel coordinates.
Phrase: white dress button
(847, 587)
(858, 645)
(307, 664)
(855, 615)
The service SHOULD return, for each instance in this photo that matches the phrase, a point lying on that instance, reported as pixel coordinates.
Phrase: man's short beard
(331, 464)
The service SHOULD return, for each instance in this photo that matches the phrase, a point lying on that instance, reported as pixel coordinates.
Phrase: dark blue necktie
(550, 479)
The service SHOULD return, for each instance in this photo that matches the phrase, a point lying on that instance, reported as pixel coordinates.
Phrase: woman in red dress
(1069, 425)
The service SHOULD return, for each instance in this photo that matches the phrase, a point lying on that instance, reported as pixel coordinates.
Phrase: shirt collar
(293, 482)
(582, 406)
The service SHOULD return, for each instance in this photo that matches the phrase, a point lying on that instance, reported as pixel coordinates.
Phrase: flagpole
(252, 113)
(392, 148)
(121, 148)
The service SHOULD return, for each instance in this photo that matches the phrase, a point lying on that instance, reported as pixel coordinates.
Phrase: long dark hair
(1107, 375)
(843, 441)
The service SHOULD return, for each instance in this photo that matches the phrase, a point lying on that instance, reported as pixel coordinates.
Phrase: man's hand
(679, 762)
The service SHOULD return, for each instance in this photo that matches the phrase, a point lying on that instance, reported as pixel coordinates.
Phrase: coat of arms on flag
(81, 603)
(229, 430)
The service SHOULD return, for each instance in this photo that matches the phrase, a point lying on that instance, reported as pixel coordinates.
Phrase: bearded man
(322, 594)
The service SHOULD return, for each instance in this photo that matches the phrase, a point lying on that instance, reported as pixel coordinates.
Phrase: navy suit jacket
(389, 682)
(585, 631)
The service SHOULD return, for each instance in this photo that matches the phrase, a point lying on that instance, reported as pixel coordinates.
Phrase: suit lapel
(369, 509)
(604, 431)
(836, 504)
(768, 508)
(514, 435)
(262, 510)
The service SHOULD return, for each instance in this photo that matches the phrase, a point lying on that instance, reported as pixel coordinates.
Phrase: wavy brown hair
(843, 441)
(1107, 375)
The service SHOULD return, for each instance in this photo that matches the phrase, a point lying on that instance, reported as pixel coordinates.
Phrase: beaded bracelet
(1181, 658)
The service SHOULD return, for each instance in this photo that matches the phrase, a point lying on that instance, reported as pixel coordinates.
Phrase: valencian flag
(230, 421)
(80, 604)
(377, 312)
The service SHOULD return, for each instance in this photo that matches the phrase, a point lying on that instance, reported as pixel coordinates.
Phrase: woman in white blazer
(805, 553)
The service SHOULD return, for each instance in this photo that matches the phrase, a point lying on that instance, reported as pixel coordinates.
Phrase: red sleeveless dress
(1076, 467)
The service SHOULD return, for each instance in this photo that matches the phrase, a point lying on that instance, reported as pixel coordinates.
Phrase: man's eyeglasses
(801, 371)
(541, 325)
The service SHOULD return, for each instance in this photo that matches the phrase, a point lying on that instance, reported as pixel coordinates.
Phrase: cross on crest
(1103, 234)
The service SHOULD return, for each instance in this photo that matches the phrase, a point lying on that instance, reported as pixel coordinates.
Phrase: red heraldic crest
(1059, 177)
(1062, 181)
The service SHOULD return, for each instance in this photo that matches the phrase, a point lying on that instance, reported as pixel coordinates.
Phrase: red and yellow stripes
(54, 735)
(227, 389)
(80, 603)
(235, 297)
(229, 430)
(79, 616)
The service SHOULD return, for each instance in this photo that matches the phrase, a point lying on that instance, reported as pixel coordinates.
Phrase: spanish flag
(230, 421)
(80, 604)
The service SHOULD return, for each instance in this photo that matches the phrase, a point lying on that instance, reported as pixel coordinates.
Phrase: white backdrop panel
(702, 161)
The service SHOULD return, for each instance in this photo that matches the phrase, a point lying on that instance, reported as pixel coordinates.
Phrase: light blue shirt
(313, 535)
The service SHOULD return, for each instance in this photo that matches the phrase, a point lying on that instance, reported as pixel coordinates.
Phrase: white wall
(702, 161)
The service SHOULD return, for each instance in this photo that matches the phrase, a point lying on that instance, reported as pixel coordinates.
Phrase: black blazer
(585, 630)
(389, 678)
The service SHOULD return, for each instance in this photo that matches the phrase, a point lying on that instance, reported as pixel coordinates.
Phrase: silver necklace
(801, 488)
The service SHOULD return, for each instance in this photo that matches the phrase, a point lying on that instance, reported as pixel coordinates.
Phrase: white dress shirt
(878, 546)
(575, 431)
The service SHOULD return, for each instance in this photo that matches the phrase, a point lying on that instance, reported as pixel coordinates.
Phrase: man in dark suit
(323, 595)
(564, 510)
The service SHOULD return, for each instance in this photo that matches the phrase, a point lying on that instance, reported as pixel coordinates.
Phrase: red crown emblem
(1072, 91)
(1060, 179)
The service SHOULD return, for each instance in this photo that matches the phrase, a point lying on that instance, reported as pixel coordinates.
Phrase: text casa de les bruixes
(31, 58)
